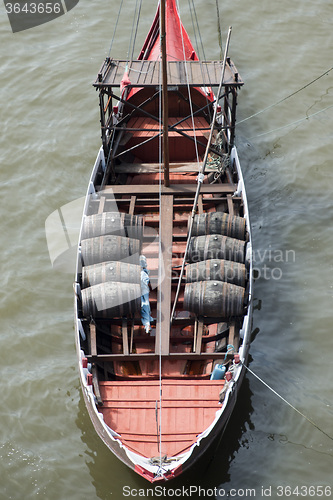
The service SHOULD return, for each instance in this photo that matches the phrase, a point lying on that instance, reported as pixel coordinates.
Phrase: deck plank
(164, 308)
(188, 408)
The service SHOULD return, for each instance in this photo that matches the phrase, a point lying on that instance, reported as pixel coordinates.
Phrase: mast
(164, 97)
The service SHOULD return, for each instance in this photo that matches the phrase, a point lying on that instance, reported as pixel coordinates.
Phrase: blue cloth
(145, 306)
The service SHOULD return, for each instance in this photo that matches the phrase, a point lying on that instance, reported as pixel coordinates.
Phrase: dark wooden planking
(146, 73)
(178, 201)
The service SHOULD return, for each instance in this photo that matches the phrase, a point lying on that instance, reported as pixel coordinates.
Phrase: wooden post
(102, 118)
(164, 97)
(233, 118)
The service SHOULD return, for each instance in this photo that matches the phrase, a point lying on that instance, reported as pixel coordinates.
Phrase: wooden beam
(101, 205)
(125, 337)
(200, 205)
(147, 168)
(92, 339)
(145, 73)
(132, 336)
(199, 337)
(93, 351)
(151, 356)
(230, 205)
(96, 385)
(164, 288)
(174, 189)
(233, 336)
(132, 205)
(178, 201)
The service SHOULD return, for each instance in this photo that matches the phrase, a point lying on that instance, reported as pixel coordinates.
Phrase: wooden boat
(163, 290)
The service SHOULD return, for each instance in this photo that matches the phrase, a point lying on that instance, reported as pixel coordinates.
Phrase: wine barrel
(110, 271)
(214, 299)
(110, 247)
(216, 246)
(115, 223)
(216, 269)
(110, 300)
(219, 223)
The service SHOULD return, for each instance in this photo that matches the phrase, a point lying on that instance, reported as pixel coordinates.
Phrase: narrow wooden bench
(173, 189)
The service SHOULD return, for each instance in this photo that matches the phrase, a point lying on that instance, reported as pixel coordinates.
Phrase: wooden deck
(188, 407)
(147, 73)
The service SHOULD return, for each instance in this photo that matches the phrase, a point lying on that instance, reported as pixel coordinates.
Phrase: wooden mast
(164, 97)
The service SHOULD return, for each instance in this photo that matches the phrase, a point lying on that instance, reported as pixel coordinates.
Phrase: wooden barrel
(111, 300)
(216, 269)
(105, 248)
(219, 223)
(216, 246)
(214, 299)
(110, 271)
(116, 223)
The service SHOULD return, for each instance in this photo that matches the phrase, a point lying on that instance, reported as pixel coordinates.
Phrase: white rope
(115, 28)
(189, 92)
(136, 28)
(133, 32)
(287, 97)
(287, 402)
(199, 182)
(293, 123)
(204, 74)
(160, 265)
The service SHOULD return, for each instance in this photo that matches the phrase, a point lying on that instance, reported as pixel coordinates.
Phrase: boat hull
(160, 374)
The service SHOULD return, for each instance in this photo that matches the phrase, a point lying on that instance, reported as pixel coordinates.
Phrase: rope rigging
(287, 97)
(219, 28)
(196, 28)
(293, 123)
(160, 274)
(287, 402)
(116, 26)
(189, 94)
(136, 19)
(200, 179)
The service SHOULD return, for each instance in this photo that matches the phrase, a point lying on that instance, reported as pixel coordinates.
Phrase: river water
(48, 142)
